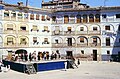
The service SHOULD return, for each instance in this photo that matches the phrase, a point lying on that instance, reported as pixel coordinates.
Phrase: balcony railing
(82, 45)
(23, 45)
(94, 32)
(6, 18)
(69, 32)
(59, 21)
(57, 33)
(81, 32)
(72, 21)
(108, 45)
(9, 44)
(9, 31)
(69, 45)
(57, 45)
(13, 18)
(94, 44)
(23, 32)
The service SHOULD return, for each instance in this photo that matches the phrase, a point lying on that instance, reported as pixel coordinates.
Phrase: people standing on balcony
(30, 57)
(38, 56)
(34, 55)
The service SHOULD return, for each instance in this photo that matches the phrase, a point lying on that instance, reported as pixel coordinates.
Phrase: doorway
(69, 54)
(69, 41)
(94, 55)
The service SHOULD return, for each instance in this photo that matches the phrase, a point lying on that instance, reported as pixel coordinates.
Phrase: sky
(92, 3)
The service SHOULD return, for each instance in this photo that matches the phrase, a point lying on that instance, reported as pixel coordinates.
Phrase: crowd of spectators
(37, 56)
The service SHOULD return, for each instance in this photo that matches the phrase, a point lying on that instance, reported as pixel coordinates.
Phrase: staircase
(30, 69)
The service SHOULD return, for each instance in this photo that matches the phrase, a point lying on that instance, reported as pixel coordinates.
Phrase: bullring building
(65, 26)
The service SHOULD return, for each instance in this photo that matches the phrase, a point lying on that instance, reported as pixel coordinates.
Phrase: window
(94, 40)
(78, 18)
(107, 27)
(34, 28)
(91, 18)
(82, 40)
(37, 16)
(6, 14)
(56, 41)
(46, 29)
(82, 51)
(69, 28)
(43, 18)
(35, 40)
(13, 14)
(9, 26)
(20, 16)
(81, 28)
(23, 28)
(84, 18)
(108, 41)
(53, 18)
(119, 28)
(97, 18)
(9, 40)
(48, 18)
(31, 16)
(119, 40)
(104, 16)
(26, 16)
(45, 41)
(23, 41)
(94, 28)
(66, 19)
(108, 52)
(117, 15)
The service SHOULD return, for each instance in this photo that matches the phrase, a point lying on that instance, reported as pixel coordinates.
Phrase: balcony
(81, 32)
(108, 45)
(94, 44)
(82, 45)
(57, 33)
(13, 18)
(9, 31)
(57, 45)
(71, 21)
(69, 45)
(22, 44)
(23, 32)
(108, 32)
(7, 18)
(94, 32)
(59, 22)
(10, 45)
(69, 32)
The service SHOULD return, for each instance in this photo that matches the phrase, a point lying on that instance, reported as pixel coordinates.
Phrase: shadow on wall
(115, 56)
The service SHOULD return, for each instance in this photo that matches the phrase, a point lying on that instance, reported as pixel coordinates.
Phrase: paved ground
(87, 70)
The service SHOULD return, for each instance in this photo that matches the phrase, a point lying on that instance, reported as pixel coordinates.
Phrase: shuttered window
(37, 16)
(43, 18)
(66, 19)
(82, 40)
(31, 16)
(9, 26)
(107, 27)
